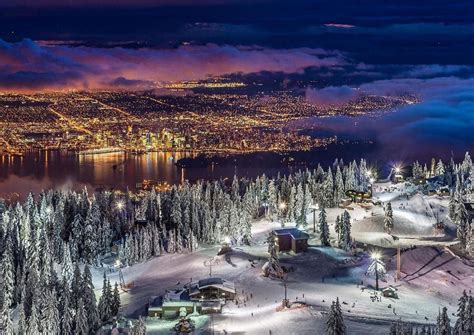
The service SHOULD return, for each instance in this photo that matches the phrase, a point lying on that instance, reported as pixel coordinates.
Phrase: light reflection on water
(37, 171)
(46, 169)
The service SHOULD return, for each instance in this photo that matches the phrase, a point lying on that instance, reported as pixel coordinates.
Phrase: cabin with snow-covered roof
(212, 288)
(291, 239)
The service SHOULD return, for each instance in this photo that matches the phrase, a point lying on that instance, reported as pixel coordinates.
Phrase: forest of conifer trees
(44, 239)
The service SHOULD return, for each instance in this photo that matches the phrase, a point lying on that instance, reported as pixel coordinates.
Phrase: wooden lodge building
(213, 288)
(202, 297)
(291, 239)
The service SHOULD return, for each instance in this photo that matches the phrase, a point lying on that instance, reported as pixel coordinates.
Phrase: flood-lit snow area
(431, 275)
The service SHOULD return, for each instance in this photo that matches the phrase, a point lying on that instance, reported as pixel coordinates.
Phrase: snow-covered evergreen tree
(300, 213)
(464, 323)
(6, 321)
(105, 301)
(33, 324)
(323, 228)
(346, 240)
(417, 170)
(443, 323)
(76, 286)
(21, 330)
(7, 279)
(65, 311)
(338, 187)
(272, 200)
(470, 241)
(328, 190)
(115, 300)
(461, 219)
(139, 327)
(81, 325)
(272, 267)
(377, 269)
(440, 169)
(335, 322)
(50, 314)
(67, 268)
(89, 300)
(292, 205)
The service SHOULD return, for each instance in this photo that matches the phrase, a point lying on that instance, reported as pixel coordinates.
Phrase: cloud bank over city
(442, 121)
(27, 65)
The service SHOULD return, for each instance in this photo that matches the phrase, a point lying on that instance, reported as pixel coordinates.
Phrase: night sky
(330, 50)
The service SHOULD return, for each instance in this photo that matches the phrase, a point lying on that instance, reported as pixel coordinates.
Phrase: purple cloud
(28, 65)
(442, 122)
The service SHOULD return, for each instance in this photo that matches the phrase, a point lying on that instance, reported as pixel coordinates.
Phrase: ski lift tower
(210, 262)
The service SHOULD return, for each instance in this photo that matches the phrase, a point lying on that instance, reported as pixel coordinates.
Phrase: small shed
(291, 239)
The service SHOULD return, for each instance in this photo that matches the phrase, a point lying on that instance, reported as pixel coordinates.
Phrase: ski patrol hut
(213, 288)
(291, 239)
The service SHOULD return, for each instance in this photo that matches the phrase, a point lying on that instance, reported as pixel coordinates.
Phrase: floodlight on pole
(397, 168)
(375, 255)
(119, 205)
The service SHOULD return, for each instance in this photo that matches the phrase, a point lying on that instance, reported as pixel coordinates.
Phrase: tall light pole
(314, 208)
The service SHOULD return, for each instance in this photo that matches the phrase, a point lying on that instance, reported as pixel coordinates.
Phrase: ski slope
(431, 276)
